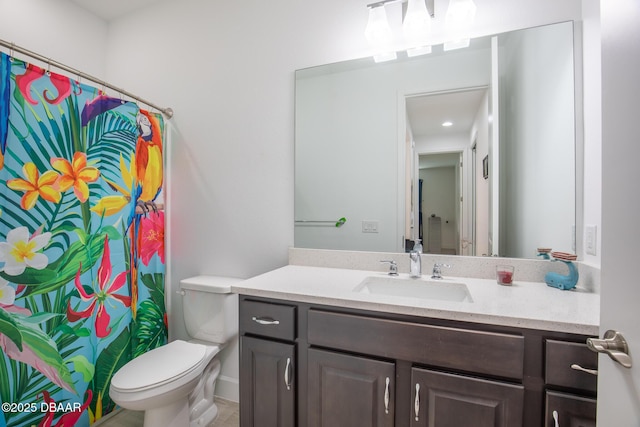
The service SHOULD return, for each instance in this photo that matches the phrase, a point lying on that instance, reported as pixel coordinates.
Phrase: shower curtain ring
(11, 51)
(49, 67)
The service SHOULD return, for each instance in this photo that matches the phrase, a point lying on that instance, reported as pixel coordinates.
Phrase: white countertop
(524, 304)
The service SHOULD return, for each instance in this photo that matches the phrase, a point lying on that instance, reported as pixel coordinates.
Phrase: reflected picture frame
(485, 167)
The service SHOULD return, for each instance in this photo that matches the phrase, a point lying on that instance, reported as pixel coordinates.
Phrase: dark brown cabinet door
(349, 391)
(449, 400)
(267, 385)
(570, 410)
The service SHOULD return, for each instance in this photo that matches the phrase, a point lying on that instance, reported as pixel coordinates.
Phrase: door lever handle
(613, 344)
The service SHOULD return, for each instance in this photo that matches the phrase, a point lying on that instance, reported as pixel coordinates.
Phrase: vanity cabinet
(448, 400)
(571, 384)
(267, 364)
(347, 390)
(451, 393)
(364, 368)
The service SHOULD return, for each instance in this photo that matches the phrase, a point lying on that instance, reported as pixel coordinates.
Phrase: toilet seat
(169, 363)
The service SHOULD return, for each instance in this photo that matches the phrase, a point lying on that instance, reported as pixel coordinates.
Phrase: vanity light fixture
(378, 33)
(459, 18)
(417, 28)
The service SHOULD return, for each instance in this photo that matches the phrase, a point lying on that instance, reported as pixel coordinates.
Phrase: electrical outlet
(369, 226)
(590, 239)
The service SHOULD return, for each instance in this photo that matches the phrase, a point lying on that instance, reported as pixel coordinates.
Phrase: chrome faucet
(415, 261)
(416, 264)
(437, 270)
(393, 268)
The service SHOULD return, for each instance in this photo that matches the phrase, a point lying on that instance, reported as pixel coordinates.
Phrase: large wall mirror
(473, 151)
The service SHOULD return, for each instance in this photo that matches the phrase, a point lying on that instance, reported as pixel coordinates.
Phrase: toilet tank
(210, 309)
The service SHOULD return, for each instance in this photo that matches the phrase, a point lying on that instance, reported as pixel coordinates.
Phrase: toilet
(174, 384)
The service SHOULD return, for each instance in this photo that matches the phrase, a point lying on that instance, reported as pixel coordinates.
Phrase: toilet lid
(159, 365)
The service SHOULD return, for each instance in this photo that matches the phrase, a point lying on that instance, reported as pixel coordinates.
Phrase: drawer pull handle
(287, 374)
(265, 320)
(386, 396)
(555, 418)
(416, 403)
(580, 368)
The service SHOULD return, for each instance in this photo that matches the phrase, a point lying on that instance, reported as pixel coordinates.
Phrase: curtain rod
(13, 47)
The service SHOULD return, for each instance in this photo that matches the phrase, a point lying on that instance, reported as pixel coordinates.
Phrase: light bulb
(417, 24)
(378, 31)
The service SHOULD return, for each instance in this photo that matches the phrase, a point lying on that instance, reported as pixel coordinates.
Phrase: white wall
(592, 88)
(227, 69)
(58, 30)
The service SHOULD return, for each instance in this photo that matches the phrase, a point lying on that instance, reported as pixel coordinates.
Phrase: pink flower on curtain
(152, 237)
(33, 73)
(99, 298)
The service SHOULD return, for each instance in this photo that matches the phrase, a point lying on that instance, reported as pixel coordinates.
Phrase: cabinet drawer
(559, 357)
(490, 353)
(268, 320)
(570, 410)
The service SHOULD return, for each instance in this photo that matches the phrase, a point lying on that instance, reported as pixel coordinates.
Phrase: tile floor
(228, 416)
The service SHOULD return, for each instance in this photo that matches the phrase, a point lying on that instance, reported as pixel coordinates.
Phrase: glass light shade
(386, 56)
(417, 51)
(460, 14)
(378, 31)
(456, 44)
(417, 23)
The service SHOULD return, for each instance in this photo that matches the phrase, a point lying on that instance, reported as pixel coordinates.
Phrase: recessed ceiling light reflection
(447, 124)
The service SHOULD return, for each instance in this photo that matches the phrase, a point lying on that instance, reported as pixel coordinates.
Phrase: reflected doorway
(444, 130)
(440, 175)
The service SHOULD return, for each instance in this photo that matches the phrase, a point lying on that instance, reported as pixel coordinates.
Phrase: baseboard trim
(228, 388)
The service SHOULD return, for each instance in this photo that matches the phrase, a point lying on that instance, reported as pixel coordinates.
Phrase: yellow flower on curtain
(110, 205)
(75, 174)
(35, 186)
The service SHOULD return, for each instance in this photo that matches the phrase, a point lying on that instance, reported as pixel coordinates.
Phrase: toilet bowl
(175, 384)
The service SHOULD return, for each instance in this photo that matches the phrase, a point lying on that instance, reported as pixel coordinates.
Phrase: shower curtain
(81, 244)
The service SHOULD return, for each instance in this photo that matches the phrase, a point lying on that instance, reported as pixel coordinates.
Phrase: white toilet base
(175, 414)
(206, 417)
(201, 399)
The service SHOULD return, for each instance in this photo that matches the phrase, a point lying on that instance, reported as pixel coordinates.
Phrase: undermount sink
(414, 288)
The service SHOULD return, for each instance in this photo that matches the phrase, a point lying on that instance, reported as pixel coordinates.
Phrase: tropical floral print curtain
(81, 244)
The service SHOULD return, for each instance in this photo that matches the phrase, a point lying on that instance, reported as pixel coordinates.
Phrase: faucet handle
(393, 267)
(437, 270)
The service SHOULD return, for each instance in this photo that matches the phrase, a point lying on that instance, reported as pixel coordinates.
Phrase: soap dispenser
(415, 259)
